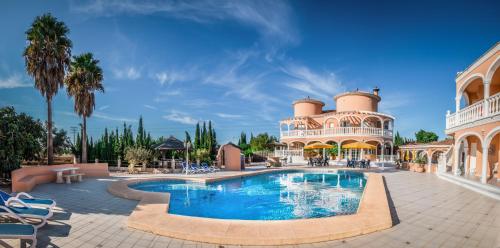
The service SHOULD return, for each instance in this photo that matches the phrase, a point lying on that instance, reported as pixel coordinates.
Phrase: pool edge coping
(151, 215)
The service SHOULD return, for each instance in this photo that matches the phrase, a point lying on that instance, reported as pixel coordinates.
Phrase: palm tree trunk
(84, 140)
(50, 147)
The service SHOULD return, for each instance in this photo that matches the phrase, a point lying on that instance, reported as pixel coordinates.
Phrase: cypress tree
(197, 143)
(243, 139)
(188, 137)
(209, 137)
(140, 134)
(203, 140)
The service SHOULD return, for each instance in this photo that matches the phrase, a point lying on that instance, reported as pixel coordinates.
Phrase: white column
(382, 152)
(457, 103)
(429, 162)
(456, 158)
(339, 149)
(392, 152)
(486, 107)
(484, 163)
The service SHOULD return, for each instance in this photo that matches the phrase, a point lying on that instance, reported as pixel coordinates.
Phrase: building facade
(355, 120)
(475, 124)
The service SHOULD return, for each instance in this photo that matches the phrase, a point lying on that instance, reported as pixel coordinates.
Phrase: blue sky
(242, 63)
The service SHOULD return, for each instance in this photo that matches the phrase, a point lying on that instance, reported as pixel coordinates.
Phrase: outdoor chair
(28, 199)
(197, 168)
(311, 162)
(22, 210)
(209, 168)
(22, 231)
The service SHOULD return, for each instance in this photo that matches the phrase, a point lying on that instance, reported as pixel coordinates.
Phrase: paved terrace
(429, 212)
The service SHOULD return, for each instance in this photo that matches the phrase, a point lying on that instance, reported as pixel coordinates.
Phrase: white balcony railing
(479, 110)
(337, 131)
(289, 153)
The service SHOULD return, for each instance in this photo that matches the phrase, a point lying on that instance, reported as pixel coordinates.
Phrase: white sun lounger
(28, 199)
(19, 210)
(22, 231)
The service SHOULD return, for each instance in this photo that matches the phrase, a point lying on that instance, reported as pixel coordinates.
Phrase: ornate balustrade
(337, 131)
(477, 111)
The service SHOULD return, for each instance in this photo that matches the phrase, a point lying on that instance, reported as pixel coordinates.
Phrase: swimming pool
(278, 195)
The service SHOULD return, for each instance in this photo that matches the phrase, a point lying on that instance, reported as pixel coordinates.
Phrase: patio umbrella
(359, 145)
(318, 145)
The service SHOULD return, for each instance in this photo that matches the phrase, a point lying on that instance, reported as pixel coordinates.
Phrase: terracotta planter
(416, 167)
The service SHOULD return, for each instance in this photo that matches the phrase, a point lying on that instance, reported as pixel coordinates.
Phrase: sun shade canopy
(318, 145)
(359, 145)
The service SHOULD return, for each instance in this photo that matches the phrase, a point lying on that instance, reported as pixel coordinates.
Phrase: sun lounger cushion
(37, 201)
(28, 211)
(12, 229)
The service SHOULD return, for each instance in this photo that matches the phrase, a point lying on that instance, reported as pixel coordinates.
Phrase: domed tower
(307, 107)
(358, 101)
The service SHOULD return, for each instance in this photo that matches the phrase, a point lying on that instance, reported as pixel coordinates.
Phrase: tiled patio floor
(431, 213)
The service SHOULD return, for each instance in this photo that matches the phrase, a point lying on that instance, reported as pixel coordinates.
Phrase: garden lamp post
(187, 144)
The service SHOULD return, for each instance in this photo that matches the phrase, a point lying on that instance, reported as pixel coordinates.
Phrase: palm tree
(47, 56)
(83, 79)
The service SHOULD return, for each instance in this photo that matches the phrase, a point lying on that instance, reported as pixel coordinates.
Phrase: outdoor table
(60, 171)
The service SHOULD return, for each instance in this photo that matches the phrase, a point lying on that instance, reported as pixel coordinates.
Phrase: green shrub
(137, 156)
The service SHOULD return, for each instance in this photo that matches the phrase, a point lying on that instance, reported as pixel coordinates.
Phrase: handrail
(338, 131)
(481, 109)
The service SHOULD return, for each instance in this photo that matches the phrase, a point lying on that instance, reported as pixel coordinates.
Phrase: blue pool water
(271, 196)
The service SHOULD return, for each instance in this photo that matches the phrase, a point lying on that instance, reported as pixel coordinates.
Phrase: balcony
(337, 131)
(490, 107)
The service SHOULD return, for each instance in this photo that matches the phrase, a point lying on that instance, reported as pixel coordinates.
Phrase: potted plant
(420, 161)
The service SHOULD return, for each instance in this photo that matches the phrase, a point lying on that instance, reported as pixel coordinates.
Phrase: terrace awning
(359, 145)
(318, 145)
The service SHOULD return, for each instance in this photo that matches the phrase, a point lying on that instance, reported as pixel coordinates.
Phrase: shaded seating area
(364, 164)
(171, 144)
(321, 147)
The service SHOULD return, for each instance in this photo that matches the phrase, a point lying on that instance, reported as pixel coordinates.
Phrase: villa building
(475, 125)
(355, 126)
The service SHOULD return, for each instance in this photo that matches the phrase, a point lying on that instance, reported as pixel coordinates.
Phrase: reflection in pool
(276, 195)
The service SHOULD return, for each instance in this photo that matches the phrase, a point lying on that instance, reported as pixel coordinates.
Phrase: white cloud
(169, 78)
(104, 116)
(307, 88)
(130, 73)
(271, 19)
(392, 102)
(180, 117)
(228, 116)
(322, 85)
(103, 107)
(166, 95)
(162, 77)
(14, 81)
(150, 107)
